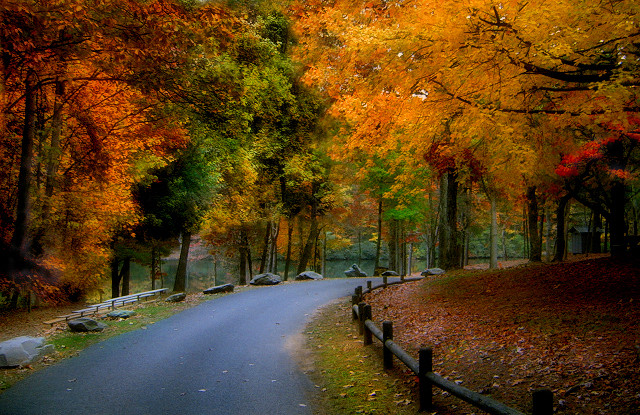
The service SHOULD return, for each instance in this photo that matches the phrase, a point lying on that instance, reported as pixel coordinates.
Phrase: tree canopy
(128, 123)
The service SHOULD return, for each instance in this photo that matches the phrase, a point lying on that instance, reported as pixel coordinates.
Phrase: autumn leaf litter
(569, 327)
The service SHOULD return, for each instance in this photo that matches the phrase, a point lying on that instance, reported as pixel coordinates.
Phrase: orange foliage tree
(495, 80)
(84, 87)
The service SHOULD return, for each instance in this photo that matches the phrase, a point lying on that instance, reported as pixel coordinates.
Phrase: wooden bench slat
(111, 303)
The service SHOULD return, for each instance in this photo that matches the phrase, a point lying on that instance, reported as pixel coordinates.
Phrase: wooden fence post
(361, 321)
(359, 292)
(354, 301)
(368, 286)
(384, 282)
(387, 334)
(425, 363)
(542, 402)
(368, 338)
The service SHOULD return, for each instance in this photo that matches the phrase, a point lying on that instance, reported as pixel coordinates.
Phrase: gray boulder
(84, 324)
(224, 288)
(308, 275)
(380, 270)
(176, 298)
(23, 350)
(121, 314)
(266, 279)
(432, 271)
(355, 272)
(390, 273)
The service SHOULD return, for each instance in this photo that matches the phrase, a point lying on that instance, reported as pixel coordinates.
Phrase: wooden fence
(423, 367)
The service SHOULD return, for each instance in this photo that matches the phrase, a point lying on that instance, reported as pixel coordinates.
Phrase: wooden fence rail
(423, 367)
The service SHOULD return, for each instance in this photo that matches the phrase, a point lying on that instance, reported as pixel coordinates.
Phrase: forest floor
(570, 327)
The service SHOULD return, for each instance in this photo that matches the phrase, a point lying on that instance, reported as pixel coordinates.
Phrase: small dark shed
(581, 239)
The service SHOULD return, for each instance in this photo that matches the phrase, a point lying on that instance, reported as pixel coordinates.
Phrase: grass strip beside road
(349, 377)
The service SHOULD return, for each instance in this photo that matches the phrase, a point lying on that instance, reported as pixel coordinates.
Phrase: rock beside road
(121, 314)
(84, 325)
(266, 279)
(176, 298)
(432, 271)
(23, 350)
(308, 275)
(355, 272)
(224, 288)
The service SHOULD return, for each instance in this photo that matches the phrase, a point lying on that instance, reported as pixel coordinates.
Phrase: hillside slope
(570, 327)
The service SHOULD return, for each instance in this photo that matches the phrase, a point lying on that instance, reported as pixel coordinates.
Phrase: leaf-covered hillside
(570, 327)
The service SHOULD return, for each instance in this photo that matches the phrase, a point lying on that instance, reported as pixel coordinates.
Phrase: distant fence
(423, 367)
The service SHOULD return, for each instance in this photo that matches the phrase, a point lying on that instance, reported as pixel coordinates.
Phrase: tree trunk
(503, 235)
(126, 276)
(525, 234)
(323, 268)
(535, 253)
(247, 248)
(547, 233)
(618, 225)
(180, 283)
(429, 253)
(316, 253)
(493, 235)
(313, 235)
(431, 236)
(379, 239)
(307, 252)
(393, 244)
(402, 250)
(154, 267)
(56, 132)
(596, 247)
(287, 263)
(115, 278)
(20, 239)
(618, 197)
(265, 248)
(448, 234)
(242, 280)
(540, 231)
(465, 221)
(274, 248)
(301, 243)
(51, 170)
(13, 302)
(465, 249)
(359, 246)
(560, 229)
(272, 244)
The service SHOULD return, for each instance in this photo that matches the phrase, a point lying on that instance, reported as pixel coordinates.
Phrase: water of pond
(206, 272)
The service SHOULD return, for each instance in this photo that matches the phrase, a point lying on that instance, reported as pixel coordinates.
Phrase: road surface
(225, 356)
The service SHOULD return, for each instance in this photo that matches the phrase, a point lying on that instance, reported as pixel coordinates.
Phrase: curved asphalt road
(225, 356)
